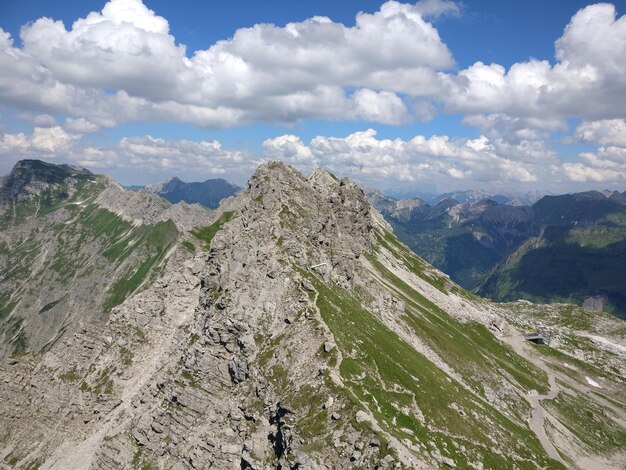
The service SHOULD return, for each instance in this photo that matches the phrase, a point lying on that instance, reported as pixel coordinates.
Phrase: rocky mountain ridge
(294, 330)
(473, 196)
(73, 245)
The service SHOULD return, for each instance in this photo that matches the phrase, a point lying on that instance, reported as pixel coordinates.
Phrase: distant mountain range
(471, 196)
(578, 255)
(209, 193)
(511, 199)
(562, 248)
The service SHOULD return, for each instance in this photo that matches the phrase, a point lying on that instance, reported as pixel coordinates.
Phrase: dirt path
(537, 418)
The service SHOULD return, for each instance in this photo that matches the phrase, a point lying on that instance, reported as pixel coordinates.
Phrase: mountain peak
(32, 177)
(276, 171)
(44, 171)
(320, 219)
(323, 178)
(209, 193)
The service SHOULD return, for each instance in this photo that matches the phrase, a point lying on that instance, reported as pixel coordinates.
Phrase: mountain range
(468, 196)
(209, 193)
(562, 248)
(288, 328)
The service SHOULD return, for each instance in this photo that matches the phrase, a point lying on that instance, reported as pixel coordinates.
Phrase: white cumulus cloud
(588, 79)
(436, 159)
(45, 142)
(266, 72)
(605, 132)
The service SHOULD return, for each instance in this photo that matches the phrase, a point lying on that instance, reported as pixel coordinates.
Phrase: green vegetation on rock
(412, 397)
(206, 234)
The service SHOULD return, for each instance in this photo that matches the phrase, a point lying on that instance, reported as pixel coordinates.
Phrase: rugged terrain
(291, 329)
(578, 255)
(564, 248)
(209, 193)
(464, 240)
(72, 246)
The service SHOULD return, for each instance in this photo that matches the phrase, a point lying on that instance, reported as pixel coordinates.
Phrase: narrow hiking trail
(565, 384)
(537, 418)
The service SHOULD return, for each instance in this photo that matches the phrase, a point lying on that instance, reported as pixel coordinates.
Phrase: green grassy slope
(565, 264)
(414, 399)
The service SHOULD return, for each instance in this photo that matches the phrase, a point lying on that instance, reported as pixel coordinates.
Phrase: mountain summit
(209, 193)
(293, 330)
(31, 177)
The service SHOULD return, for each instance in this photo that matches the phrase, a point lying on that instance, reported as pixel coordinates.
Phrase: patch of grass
(84, 387)
(589, 422)
(127, 356)
(393, 379)
(124, 287)
(595, 236)
(153, 237)
(33, 464)
(188, 246)
(21, 258)
(6, 305)
(288, 218)
(206, 234)
(190, 378)
(70, 376)
(158, 240)
(104, 384)
(17, 336)
(193, 339)
(140, 334)
(11, 459)
(141, 461)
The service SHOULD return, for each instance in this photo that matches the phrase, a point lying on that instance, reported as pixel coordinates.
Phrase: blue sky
(428, 96)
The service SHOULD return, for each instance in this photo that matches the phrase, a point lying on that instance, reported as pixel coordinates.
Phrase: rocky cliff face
(295, 331)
